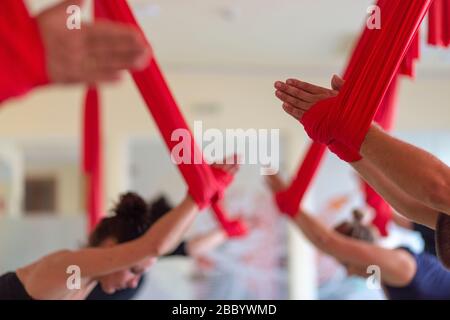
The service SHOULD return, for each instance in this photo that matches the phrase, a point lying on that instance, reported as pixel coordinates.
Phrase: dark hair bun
(358, 216)
(158, 208)
(131, 207)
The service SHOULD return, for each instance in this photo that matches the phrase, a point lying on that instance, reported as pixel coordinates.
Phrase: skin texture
(96, 52)
(412, 180)
(397, 266)
(114, 266)
(202, 244)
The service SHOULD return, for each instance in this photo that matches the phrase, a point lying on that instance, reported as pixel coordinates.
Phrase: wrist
(371, 135)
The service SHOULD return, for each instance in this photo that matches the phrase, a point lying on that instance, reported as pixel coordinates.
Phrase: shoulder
(46, 275)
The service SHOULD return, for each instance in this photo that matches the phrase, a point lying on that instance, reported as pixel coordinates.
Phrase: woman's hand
(275, 183)
(96, 52)
(298, 96)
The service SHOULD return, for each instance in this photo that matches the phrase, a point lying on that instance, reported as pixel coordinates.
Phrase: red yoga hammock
(92, 158)
(289, 200)
(206, 185)
(439, 23)
(342, 120)
(22, 56)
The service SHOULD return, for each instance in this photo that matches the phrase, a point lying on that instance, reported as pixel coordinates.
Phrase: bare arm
(397, 198)
(417, 172)
(413, 170)
(158, 240)
(393, 263)
(397, 267)
(205, 243)
(402, 221)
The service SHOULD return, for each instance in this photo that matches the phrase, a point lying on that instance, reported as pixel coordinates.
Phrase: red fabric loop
(347, 117)
(92, 157)
(233, 228)
(22, 54)
(439, 23)
(223, 179)
(205, 185)
(288, 201)
(383, 212)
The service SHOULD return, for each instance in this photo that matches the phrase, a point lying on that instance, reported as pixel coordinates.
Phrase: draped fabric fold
(439, 23)
(92, 157)
(366, 81)
(22, 54)
(342, 119)
(204, 185)
(385, 118)
(289, 200)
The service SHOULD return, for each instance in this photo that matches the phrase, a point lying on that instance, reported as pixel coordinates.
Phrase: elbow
(325, 243)
(438, 194)
(159, 249)
(406, 269)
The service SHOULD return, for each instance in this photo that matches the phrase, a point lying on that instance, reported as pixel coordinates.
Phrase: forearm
(315, 231)
(168, 232)
(418, 173)
(345, 249)
(205, 243)
(160, 239)
(397, 198)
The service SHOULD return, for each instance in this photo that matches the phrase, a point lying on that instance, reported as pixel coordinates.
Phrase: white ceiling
(265, 32)
(260, 33)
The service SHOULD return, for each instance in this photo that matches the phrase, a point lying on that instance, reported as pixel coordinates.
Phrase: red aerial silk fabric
(439, 23)
(407, 67)
(385, 118)
(22, 55)
(290, 199)
(205, 185)
(92, 157)
(342, 119)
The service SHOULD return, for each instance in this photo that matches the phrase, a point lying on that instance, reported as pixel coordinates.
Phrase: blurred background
(221, 58)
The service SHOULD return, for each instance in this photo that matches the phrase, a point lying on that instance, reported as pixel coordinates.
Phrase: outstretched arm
(397, 198)
(393, 263)
(205, 243)
(420, 174)
(160, 239)
(414, 171)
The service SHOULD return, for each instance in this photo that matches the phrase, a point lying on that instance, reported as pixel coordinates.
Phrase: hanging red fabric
(22, 55)
(439, 23)
(341, 120)
(385, 118)
(290, 199)
(407, 67)
(203, 183)
(92, 157)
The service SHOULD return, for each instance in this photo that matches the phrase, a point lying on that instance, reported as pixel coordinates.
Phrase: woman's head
(158, 208)
(356, 229)
(131, 218)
